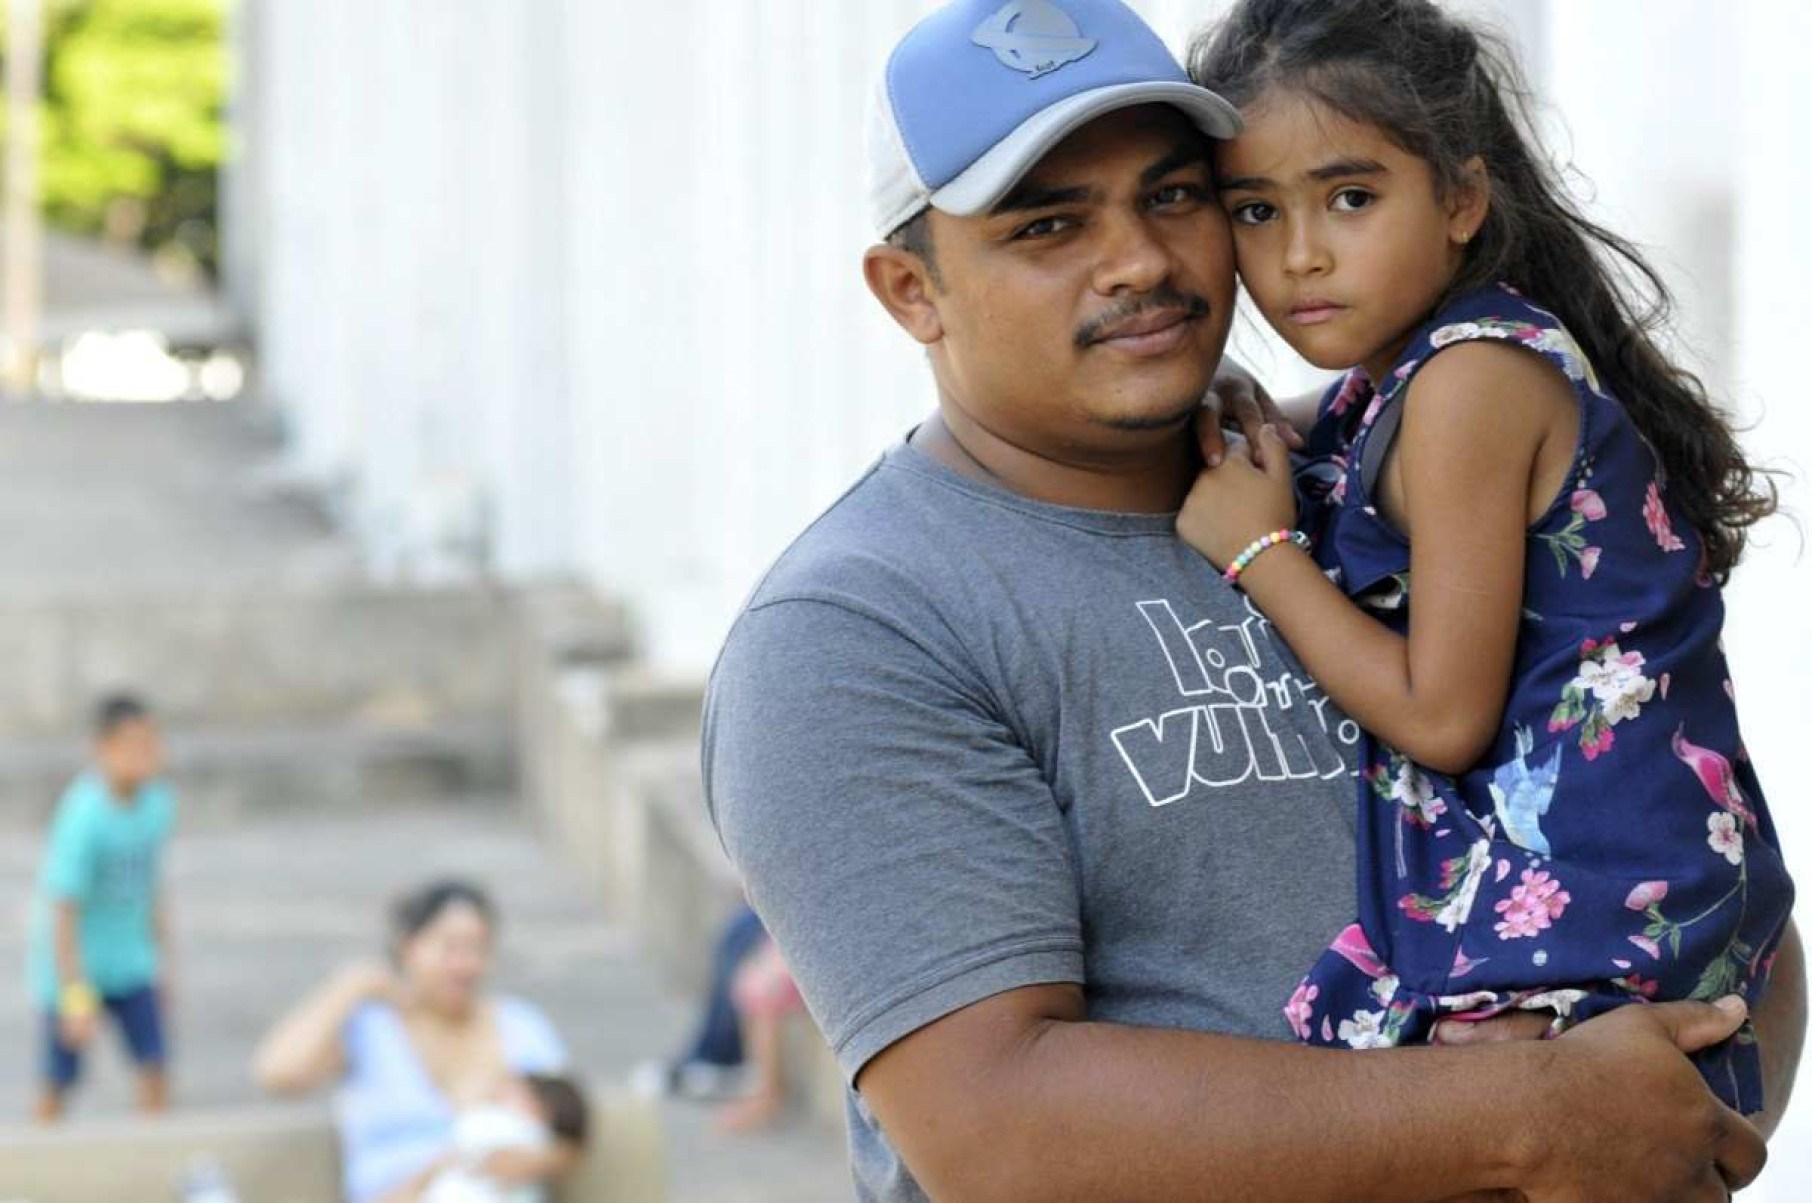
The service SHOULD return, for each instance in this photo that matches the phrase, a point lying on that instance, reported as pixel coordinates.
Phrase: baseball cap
(979, 91)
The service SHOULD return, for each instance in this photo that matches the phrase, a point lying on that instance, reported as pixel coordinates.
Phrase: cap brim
(992, 176)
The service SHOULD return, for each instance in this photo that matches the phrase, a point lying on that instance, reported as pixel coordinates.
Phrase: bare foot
(751, 1114)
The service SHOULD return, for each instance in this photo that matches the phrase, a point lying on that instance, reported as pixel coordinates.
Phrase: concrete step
(230, 775)
(101, 498)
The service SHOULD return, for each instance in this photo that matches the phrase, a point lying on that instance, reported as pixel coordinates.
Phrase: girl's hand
(1239, 502)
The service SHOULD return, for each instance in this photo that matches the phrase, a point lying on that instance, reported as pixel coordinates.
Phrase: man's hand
(1237, 401)
(1653, 1130)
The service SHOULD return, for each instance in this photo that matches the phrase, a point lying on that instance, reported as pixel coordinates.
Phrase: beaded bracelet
(1258, 547)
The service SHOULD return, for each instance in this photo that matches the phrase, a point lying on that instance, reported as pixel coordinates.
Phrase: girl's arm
(1475, 420)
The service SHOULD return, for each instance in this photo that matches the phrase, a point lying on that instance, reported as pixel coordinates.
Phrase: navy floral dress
(1613, 845)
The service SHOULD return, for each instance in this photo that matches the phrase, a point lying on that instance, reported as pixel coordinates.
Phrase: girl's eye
(1044, 227)
(1351, 200)
(1254, 213)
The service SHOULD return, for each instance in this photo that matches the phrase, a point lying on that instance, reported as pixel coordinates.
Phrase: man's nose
(1133, 259)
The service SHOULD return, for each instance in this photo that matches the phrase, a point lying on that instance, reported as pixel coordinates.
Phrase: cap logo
(1035, 37)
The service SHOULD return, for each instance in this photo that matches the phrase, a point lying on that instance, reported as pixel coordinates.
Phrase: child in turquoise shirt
(98, 937)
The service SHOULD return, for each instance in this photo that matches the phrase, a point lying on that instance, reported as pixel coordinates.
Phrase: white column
(1766, 632)
(1647, 89)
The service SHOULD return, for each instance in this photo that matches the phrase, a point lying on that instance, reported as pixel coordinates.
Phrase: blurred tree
(133, 122)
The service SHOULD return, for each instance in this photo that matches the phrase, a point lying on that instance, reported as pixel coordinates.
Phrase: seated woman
(411, 1045)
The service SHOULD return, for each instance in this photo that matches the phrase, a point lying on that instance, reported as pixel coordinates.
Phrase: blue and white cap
(978, 92)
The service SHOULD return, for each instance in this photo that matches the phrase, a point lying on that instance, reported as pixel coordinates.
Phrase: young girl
(1522, 513)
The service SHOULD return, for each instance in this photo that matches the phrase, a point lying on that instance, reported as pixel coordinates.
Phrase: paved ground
(264, 910)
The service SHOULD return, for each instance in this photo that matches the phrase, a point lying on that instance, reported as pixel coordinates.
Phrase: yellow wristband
(78, 1001)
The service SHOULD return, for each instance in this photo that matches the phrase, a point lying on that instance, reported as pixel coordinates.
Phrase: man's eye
(1044, 227)
(1178, 194)
(1351, 200)
(1254, 213)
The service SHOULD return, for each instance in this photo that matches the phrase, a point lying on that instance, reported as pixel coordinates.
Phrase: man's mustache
(1189, 304)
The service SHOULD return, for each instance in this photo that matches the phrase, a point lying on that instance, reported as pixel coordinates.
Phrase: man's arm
(908, 857)
(1019, 1097)
(1780, 1026)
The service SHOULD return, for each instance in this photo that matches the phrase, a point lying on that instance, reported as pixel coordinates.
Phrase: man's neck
(1151, 480)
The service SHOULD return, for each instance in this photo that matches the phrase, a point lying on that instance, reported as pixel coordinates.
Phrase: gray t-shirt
(960, 742)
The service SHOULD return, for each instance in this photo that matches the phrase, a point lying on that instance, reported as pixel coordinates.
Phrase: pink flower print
(1588, 505)
(1647, 945)
(1597, 744)
(1544, 889)
(1300, 1008)
(1645, 895)
(1532, 906)
(1356, 950)
(1655, 514)
(1351, 389)
(1463, 964)
(1588, 561)
(1518, 921)
(1646, 987)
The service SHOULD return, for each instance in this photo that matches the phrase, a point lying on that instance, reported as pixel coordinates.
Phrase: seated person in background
(523, 1118)
(98, 927)
(407, 1042)
(711, 1067)
(764, 995)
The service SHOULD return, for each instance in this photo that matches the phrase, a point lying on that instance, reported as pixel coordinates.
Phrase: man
(1046, 821)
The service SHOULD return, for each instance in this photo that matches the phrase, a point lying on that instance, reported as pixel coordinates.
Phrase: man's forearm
(1780, 1026)
(1125, 1113)
(990, 1106)
(1019, 1097)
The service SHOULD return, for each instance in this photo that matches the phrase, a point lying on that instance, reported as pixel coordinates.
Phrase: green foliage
(132, 122)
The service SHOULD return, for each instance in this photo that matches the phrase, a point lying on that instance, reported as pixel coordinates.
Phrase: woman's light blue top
(393, 1120)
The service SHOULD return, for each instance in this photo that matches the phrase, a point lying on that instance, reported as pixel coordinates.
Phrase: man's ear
(901, 281)
(1470, 203)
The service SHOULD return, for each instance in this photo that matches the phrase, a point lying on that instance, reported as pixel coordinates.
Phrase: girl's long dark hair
(1446, 92)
